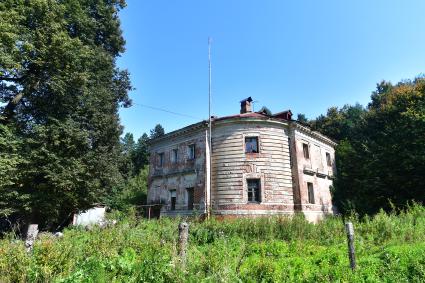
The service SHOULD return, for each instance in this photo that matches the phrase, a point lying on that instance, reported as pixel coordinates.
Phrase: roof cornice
(307, 130)
(180, 132)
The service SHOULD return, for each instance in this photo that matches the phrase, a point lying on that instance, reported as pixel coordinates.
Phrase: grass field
(389, 248)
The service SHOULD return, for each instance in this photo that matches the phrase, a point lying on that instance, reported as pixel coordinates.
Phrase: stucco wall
(313, 170)
(280, 167)
(180, 175)
(231, 167)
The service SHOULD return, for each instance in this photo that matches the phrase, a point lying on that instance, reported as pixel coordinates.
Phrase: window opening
(190, 198)
(310, 193)
(253, 190)
(173, 199)
(251, 144)
(306, 151)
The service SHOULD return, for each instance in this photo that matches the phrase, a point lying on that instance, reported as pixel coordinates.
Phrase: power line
(167, 111)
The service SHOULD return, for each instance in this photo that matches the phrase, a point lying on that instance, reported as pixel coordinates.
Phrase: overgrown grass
(389, 248)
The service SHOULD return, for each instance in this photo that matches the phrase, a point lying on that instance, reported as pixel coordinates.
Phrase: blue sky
(303, 55)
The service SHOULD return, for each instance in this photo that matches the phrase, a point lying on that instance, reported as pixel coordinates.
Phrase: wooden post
(31, 236)
(183, 237)
(149, 213)
(350, 237)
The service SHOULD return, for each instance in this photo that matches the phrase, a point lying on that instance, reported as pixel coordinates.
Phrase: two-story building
(258, 164)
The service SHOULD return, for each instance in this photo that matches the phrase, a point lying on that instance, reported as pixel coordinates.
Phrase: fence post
(183, 237)
(31, 236)
(350, 237)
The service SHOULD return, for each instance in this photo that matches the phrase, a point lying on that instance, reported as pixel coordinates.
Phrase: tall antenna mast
(209, 126)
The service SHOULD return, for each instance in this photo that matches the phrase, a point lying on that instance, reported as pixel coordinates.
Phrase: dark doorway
(190, 198)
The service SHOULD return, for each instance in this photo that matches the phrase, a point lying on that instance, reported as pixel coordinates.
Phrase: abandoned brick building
(261, 164)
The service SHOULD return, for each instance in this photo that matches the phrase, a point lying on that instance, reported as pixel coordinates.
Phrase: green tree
(10, 162)
(302, 119)
(132, 192)
(128, 147)
(61, 89)
(157, 132)
(141, 153)
(381, 154)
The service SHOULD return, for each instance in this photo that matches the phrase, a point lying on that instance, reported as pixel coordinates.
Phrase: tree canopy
(60, 90)
(381, 151)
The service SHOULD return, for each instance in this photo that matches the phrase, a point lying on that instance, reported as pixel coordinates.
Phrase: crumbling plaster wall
(231, 167)
(180, 175)
(312, 170)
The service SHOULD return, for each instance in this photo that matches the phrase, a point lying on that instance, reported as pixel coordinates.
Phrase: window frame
(256, 138)
(191, 155)
(173, 203)
(160, 159)
(328, 159)
(256, 193)
(174, 155)
(310, 193)
(306, 150)
(190, 191)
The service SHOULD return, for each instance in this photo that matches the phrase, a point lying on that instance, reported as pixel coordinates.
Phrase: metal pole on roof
(208, 201)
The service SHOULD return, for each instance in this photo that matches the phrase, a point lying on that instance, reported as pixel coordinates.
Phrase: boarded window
(190, 198)
(254, 190)
(328, 159)
(161, 159)
(173, 198)
(251, 144)
(174, 155)
(310, 193)
(191, 151)
(306, 151)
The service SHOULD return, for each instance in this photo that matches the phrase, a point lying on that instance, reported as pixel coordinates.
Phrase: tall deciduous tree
(61, 90)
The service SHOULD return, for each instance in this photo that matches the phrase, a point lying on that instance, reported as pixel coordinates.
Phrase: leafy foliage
(157, 132)
(61, 90)
(381, 152)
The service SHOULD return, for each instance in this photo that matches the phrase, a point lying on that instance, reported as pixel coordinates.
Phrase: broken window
(310, 193)
(161, 159)
(251, 144)
(191, 151)
(173, 198)
(190, 199)
(306, 151)
(253, 190)
(174, 155)
(328, 159)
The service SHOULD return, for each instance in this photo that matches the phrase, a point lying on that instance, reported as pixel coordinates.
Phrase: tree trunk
(10, 108)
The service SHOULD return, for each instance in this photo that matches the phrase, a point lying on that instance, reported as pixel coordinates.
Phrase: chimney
(246, 105)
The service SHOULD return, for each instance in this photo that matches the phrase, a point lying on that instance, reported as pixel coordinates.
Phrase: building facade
(259, 164)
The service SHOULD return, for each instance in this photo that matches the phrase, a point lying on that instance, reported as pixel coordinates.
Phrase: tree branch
(9, 110)
(9, 79)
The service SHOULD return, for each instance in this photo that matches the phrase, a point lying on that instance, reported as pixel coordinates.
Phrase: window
(190, 199)
(305, 151)
(328, 159)
(251, 144)
(173, 199)
(253, 190)
(174, 155)
(310, 193)
(191, 151)
(161, 159)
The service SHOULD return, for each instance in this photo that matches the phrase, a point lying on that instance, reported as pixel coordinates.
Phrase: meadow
(390, 247)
